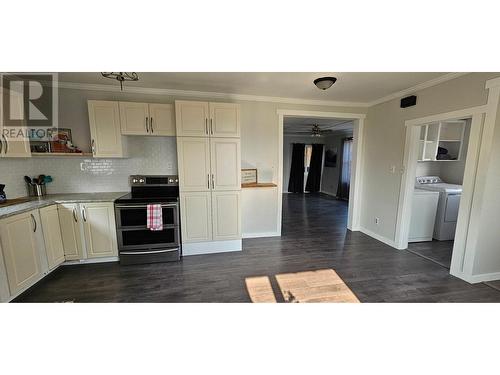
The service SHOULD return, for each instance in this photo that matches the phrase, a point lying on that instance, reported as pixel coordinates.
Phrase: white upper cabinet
(14, 140)
(193, 155)
(191, 118)
(225, 164)
(147, 119)
(162, 119)
(20, 243)
(54, 248)
(99, 228)
(225, 120)
(15, 147)
(134, 118)
(441, 141)
(202, 119)
(105, 132)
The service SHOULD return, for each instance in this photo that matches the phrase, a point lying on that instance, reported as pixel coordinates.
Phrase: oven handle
(144, 205)
(148, 252)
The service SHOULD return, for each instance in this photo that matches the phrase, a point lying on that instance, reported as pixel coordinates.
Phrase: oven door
(135, 215)
(148, 239)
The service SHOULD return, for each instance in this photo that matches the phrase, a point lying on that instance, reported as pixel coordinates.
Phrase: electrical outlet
(377, 220)
(169, 166)
(392, 169)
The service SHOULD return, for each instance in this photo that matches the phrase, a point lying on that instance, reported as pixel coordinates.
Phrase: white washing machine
(448, 205)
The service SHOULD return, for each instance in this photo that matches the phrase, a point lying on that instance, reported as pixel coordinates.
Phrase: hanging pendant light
(324, 83)
(121, 77)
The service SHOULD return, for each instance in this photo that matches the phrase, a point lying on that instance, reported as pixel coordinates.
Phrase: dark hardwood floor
(435, 251)
(314, 237)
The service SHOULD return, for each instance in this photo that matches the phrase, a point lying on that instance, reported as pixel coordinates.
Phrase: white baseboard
(380, 238)
(91, 260)
(328, 193)
(263, 234)
(211, 247)
(474, 279)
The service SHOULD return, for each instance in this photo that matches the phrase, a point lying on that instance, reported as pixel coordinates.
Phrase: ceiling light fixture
(324, 83)
(316, 131)
(121, 77)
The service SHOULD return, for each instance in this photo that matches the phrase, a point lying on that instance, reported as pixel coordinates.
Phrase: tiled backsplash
(147, 155)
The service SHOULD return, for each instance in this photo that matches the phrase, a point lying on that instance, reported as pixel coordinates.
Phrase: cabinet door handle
(213, 183)
(74, 215)
(93, 147)
(34, 222)
(6, 144)
(206, 126)
(211, 127)
(151, 125)
(84, 215)
(146, 125)
(208, 181)
(1, 146)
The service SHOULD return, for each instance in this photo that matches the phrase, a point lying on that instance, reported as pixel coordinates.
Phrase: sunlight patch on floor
(259, 289)
(308, 286)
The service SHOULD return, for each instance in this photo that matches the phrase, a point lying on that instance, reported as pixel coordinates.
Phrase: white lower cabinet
(210, 216)
(51, 228)
(35, 242)
(69, 218)
(196, 216)
(226, 211)
(99, 229)
(23, 250)
(4, 283)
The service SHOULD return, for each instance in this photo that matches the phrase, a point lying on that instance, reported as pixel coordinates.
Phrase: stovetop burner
(151, 189)
(129, 198)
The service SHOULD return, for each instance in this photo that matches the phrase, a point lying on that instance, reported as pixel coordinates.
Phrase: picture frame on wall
(330, 158)
(248, 176)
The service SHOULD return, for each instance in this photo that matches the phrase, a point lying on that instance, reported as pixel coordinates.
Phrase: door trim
(354, 213)
(462, 257)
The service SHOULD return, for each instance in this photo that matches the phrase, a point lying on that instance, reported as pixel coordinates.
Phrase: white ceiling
(350, 87)
(303, 125)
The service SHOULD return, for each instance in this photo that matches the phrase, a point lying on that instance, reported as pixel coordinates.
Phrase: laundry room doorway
(440, 165)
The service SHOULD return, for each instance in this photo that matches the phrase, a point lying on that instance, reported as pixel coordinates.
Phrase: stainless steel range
(136, 243)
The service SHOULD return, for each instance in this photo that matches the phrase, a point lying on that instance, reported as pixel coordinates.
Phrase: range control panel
(428, 180)
(139, 180)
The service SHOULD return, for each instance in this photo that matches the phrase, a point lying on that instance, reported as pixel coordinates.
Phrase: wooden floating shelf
(60, 154)
(258, 185)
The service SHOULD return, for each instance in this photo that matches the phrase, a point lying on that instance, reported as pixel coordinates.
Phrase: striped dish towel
(155, 218)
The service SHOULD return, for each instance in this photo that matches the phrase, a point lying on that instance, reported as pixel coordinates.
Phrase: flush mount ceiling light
(324, 83)
(121, 77)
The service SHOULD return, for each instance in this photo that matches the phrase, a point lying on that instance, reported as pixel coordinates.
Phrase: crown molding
(420, 86)
(207, 94)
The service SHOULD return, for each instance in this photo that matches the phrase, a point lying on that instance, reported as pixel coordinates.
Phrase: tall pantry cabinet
(209, 157)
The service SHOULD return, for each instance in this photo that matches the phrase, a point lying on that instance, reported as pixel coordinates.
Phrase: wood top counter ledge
(258, 185)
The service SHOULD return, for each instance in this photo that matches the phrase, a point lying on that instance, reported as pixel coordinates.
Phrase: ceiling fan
(313, 131)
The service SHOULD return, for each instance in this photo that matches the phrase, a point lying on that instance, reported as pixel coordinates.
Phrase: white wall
(384, 144)
(487, 206)
(330, 177)
(385, 139)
